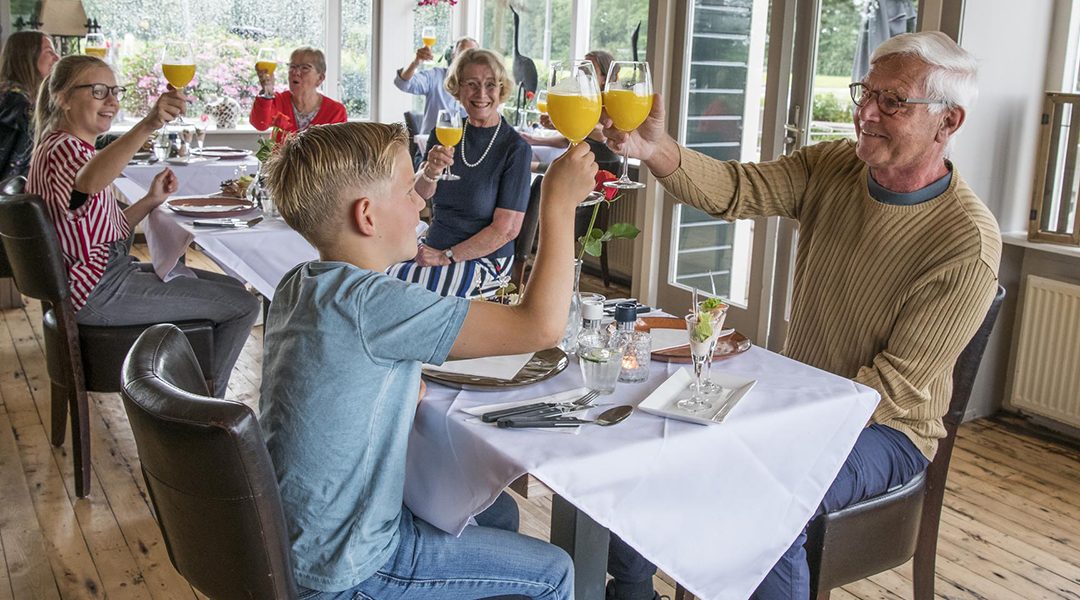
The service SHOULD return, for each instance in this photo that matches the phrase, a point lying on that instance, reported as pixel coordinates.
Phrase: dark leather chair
(525, 244)
(885, 532)
(412, 124)
(10, 187)
(208, 474)
(881, 533)
(79, 358)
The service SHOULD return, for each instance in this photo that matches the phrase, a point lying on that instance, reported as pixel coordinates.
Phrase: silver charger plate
(545, 364)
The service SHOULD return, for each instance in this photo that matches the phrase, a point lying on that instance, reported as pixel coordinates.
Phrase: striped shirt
(885, 295)
(85, 232)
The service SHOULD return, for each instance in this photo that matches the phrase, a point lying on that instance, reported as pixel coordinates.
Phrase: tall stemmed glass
(266, 60)
(427, 36)
(628, 97)
(178, 66)
(448, 130)
(718, 310)
(699, 327)
(573, 103)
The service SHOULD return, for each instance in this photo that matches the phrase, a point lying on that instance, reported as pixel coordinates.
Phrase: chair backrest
(208, 472)
(967, 366)
(32, 248)
(530, 223)
(412, 124)
(10, 187)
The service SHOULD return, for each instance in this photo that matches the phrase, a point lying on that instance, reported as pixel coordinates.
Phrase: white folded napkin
(568, 396)
(496, 367)
(662, 339)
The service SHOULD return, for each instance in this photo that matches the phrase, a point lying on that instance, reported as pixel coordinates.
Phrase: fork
(561, 409)
(547, 407)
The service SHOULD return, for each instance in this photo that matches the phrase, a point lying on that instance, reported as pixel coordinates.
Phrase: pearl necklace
(484, 155)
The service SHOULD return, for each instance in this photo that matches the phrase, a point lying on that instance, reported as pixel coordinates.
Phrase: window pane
(355, 54)
(613, 23)
(544, 35)
(723, 91)
(438, 17)
(225, 34)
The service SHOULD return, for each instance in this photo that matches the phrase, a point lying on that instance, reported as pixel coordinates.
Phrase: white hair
(952, 69)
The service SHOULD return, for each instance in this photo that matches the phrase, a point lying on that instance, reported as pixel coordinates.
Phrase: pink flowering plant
(225, 68)
(436, 2)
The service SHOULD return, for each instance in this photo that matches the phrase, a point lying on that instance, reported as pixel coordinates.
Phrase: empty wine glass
(448, 129)
(573, 103)
(628, 97)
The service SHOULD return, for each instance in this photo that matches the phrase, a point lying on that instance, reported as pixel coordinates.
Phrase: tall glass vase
(573, 320)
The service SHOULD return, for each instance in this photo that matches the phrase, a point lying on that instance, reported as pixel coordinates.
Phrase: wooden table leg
(587, 544)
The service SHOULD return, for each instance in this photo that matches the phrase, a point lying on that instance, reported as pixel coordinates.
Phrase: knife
(530, 422)
(519, 410)
(228, 224)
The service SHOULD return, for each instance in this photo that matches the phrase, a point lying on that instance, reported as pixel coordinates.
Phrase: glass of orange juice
(448, 130)
(541, 101)
(628, 97)
(427, 35)
(178, 66)
(266, 60)
(95, 45)
(573, 103)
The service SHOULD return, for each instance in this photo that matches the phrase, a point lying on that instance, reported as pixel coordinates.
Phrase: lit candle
(629, 362)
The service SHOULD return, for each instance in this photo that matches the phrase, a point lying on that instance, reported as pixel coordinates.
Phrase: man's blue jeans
(483, 562)
(881, 459)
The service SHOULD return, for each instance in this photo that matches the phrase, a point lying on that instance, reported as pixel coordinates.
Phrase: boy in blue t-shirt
(341, 371)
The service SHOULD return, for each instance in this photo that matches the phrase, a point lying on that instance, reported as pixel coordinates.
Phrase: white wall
(995, 151)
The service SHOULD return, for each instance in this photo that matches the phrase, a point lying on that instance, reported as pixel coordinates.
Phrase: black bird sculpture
(633, 41)
(524, 67)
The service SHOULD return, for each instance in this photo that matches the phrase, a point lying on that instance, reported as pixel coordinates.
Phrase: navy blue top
(462, 208)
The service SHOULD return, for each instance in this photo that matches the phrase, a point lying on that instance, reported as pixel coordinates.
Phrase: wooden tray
(726, 347)
(210, 206)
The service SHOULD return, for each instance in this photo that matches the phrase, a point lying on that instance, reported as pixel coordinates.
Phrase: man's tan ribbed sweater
(886, 295)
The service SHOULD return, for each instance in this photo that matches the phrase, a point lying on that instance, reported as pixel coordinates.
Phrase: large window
(723, 92)
(543, 34)
(613, 24)
(226, 36)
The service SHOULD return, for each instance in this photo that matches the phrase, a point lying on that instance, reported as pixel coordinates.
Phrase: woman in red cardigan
(301, 106)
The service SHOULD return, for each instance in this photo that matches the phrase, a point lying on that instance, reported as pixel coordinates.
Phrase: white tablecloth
(195, 179)
(260, 255)
(713, 506)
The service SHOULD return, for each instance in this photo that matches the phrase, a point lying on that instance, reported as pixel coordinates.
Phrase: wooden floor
(1010, 528)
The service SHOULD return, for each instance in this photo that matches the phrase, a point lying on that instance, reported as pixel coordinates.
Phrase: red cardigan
(279, 111)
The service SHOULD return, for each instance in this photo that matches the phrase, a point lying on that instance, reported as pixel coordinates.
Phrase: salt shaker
(638, 354)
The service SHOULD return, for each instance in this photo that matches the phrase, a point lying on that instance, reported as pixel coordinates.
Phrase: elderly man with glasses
(896, 266)
(301, 106)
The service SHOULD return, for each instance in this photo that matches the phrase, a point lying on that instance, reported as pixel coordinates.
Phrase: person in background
(469, 248)
(76, 103)
(430, 83)
(896, 266)
(28, 58)
(301, 106)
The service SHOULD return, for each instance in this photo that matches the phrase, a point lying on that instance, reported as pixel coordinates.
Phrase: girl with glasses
(76, 103)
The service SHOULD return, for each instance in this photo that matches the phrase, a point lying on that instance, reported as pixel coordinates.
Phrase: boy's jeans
(483, 562)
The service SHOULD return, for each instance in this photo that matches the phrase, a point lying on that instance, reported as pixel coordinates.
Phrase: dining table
(195, 177)
(714, 506)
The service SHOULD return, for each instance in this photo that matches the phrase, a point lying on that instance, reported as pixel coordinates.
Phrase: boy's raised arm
(539, 321)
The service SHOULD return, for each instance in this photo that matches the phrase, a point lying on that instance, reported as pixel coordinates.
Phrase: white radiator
(1047, 376)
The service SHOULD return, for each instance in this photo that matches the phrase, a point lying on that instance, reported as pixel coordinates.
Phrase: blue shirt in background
(341, 374)
(430, 85)
(462, 208)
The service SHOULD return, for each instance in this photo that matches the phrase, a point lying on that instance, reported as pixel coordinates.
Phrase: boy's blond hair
(310, 171)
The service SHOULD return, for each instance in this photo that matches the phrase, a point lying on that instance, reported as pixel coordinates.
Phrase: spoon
(610, 416)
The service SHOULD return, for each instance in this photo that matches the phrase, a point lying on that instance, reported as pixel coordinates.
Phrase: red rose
(603, 176)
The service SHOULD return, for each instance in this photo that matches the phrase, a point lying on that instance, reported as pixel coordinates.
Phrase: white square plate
(662, 401)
